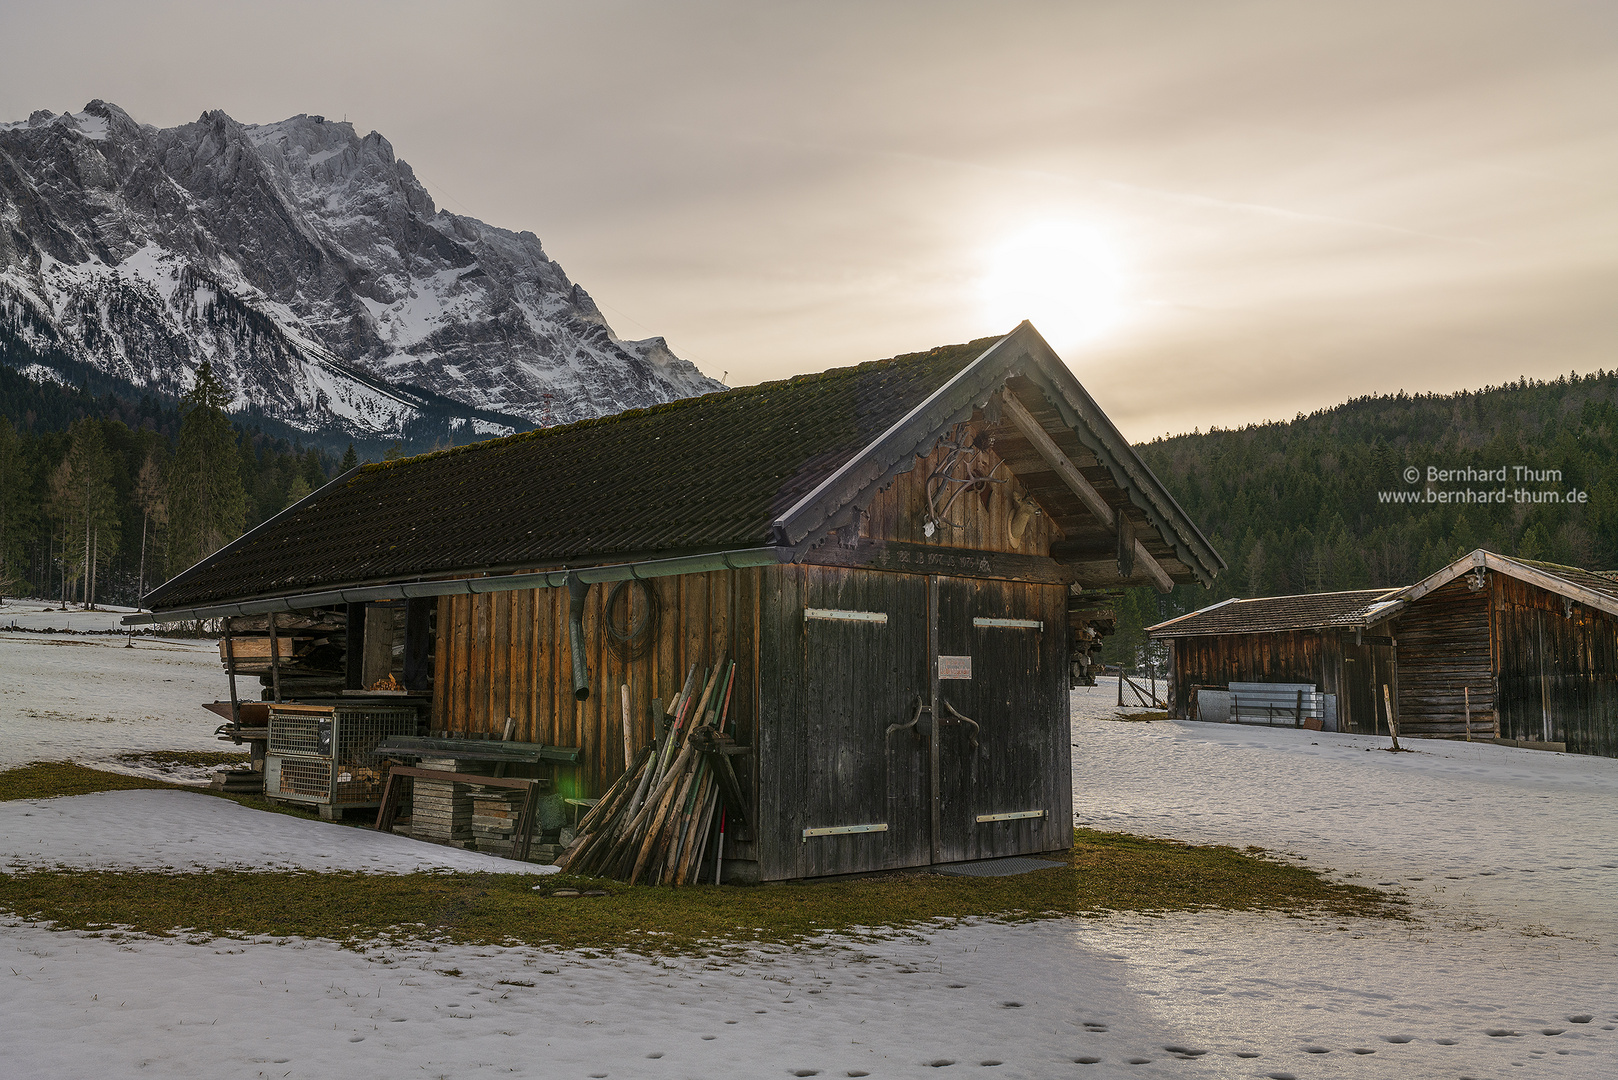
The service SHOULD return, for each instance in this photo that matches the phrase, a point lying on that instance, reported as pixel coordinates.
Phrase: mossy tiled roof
(1271, 614)
(702, 474)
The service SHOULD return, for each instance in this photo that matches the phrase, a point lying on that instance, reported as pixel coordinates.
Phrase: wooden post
(1120, 686)
(934, 769)
(1466, 697)
(629, 736)
(354, 655)
(1235, 709)
(1393, 723)
(230, 667)
(1297, 711)
(275, 660)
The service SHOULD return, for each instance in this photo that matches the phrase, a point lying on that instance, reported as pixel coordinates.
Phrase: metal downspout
(577, 590)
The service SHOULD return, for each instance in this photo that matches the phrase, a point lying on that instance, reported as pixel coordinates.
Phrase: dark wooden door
(1003, 780)
(865, 670)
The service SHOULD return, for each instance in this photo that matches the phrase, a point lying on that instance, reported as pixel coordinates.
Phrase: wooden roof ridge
(1594, 588)
(1144, 490)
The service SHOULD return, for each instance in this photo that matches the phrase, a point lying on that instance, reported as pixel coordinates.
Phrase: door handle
(914, 720)
(962, 719)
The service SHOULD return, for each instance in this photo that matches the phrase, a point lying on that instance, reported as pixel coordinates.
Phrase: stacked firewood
(655, 822)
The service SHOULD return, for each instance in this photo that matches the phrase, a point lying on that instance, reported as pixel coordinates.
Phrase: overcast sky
(1218, 212)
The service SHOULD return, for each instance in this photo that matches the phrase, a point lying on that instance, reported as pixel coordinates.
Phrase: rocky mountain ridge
(310, 266)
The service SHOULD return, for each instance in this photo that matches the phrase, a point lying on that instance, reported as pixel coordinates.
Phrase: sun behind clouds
(1063, 276)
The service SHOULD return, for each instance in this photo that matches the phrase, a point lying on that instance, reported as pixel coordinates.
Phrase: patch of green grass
(48, 779)
(1103, 872)
(191, 758)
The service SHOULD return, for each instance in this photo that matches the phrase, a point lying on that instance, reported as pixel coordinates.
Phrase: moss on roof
(700, 474)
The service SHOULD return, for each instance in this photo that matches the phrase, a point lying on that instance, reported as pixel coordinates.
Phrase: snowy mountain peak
(308, 263)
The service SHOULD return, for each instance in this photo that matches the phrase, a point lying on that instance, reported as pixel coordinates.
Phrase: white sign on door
(954, 667)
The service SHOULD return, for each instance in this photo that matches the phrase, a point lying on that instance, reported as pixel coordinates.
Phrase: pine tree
(206, 501)
(350, 460)
(297, 491)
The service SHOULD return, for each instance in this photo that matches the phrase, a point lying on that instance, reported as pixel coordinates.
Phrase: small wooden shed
(1531, 644)
(887, 551)
(1340, 643)
(1488, 647)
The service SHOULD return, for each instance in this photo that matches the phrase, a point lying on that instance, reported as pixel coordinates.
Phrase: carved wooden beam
(1063, 466)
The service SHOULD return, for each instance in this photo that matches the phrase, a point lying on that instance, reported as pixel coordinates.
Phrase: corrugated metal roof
(1271, 614)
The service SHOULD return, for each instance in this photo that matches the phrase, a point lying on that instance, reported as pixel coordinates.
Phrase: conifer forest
(102, 498)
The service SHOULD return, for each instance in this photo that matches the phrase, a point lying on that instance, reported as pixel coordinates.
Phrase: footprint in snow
(1582, 1018)
(1086, 1060)
(1396, 1039)
(1281, 1076)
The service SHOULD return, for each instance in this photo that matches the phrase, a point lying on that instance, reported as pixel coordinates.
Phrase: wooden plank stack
(494, 819)
(655, 822)
(436, 813)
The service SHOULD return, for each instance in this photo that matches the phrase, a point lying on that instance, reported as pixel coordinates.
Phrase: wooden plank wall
(507, 654)
(1558, 673)
(1296, 656)
(1444, 648)
(979, 521)
(1366, 669)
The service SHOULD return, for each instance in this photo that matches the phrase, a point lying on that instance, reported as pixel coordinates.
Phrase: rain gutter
(461, 586)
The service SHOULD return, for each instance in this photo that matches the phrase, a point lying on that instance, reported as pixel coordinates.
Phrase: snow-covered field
(1509, 968)
(92, 697)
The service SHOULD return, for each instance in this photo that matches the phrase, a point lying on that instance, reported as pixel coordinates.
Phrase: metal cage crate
(326, 754)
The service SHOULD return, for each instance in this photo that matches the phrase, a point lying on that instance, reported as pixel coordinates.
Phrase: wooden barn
(1531, 648)
(1489, 647)
(1338, 643)
(887, 554)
